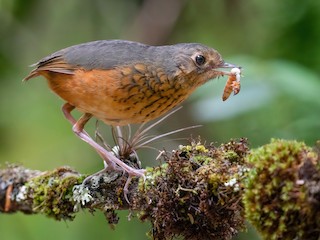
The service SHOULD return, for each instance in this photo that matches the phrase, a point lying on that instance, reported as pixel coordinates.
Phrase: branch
(196, 193)
(200, 192)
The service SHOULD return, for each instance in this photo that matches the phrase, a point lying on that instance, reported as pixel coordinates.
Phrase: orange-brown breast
(131, 94)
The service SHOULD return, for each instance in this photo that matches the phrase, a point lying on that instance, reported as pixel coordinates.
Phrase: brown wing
(50, 64)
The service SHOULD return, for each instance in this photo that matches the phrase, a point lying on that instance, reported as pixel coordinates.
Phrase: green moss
(186, 148)
(201, 159)
(195, 146)
(52, 193)
(276, 191)
(201, 148)
(231, 155)
(196, 194)
(152, 176)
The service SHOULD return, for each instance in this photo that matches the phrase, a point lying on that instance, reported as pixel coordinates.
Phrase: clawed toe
(133, 173)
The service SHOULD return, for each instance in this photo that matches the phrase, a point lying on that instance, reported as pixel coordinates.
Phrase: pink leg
(113, 162)
(109, 156)
(66, 109)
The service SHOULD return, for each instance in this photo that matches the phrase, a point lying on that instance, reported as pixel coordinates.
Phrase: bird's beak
(225, 65)
(228, 65)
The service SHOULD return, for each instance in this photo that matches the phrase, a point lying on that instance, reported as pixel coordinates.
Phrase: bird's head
(199, 63)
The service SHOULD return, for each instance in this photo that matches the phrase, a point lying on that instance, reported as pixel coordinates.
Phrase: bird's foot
(111, 161)
(135, 173)
(132, 172)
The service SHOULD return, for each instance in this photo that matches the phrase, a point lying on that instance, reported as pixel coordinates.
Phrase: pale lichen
(81, 196)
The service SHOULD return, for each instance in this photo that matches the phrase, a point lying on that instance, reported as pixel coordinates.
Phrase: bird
(123, 82)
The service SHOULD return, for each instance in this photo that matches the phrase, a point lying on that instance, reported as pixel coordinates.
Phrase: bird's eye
(200, 60)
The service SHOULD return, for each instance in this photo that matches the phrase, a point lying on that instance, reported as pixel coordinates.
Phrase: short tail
(33, 73)
(50, 64)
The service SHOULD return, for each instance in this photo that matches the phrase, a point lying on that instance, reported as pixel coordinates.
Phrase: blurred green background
(276, 42)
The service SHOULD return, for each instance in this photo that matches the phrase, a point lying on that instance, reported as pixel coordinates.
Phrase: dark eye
(200, 60)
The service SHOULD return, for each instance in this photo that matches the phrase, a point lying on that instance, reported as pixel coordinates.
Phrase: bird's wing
(104, 54)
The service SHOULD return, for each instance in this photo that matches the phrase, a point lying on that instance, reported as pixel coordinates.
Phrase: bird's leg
(66, 109)
(112, 161)
(108, 157)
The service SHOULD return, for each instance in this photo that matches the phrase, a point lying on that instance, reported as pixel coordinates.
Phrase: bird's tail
(33, 73)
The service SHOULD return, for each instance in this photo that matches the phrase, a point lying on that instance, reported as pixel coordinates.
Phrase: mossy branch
(282, 190)
(200, 192)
